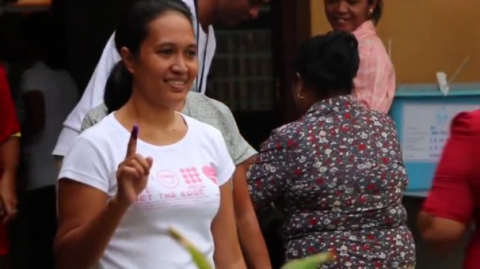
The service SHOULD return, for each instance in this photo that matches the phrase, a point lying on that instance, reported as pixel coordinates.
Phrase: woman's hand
(8, 198)
(132, 173)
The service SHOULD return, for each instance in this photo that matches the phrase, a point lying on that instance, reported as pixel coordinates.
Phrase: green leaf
(198, 257)
(311, 262)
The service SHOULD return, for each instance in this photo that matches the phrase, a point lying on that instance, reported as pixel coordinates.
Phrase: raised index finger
(132, 143)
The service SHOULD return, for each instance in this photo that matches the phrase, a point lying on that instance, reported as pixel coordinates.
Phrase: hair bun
(340, 55)
(329, 61)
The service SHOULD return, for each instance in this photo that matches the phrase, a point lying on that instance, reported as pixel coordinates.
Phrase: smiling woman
(375, 81)
(118, 191)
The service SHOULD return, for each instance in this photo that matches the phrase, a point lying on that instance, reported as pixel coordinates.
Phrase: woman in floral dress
(337, 173)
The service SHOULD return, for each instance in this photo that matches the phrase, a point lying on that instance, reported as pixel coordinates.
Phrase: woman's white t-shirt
(183, 192)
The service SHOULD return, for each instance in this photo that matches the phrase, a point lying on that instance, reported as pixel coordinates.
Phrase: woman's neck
(144, 112)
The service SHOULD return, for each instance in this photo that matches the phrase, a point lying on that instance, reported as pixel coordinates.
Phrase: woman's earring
(300, 95)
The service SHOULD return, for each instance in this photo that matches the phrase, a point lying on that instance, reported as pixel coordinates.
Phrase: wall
(426, 36)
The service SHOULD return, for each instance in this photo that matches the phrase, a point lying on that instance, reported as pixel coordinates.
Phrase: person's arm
(249, 232)
(228, 253)
(272, 171)
(375, 80)
(248, 229)
(86, 220)
(9, 149)
(448, 209)
(10, 158)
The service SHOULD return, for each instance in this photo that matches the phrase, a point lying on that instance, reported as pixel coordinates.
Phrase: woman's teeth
(176, 83)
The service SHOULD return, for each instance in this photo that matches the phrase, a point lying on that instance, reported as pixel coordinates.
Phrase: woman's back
(352, 160)
(345, 183)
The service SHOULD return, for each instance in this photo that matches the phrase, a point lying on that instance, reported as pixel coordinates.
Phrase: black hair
(44, 38)
(329, 63)
(131, 31)
(377, 11)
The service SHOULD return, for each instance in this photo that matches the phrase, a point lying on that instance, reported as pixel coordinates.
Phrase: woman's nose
(180, 66)
(342, 7)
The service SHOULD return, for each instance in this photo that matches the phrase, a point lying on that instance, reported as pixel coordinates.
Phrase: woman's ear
(127, 59)
(299, 84)
(372, 4)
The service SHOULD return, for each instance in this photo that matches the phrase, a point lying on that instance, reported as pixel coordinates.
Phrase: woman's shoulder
(377, 118)
(288, 135)
(94, 116)
(211, 112)
(201, 128)
(103, 131)
(466, 123)
(372, 45)
(207, 107)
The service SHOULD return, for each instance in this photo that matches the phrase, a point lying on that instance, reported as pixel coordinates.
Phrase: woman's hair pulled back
(131, 31)
(329, 63)
(377, 11)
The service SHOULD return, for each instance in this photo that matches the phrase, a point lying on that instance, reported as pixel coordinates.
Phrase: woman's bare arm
(249, 233)
(449, 207)
(86, 224)
(228, 254)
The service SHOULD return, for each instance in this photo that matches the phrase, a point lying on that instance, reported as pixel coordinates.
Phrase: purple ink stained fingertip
(135, 131)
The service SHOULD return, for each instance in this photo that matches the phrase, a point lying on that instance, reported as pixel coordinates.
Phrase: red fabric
(456, 186)
(8, 126)
(8, 118)
(4, 243)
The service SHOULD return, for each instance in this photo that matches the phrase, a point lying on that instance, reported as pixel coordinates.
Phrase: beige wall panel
(426, 36)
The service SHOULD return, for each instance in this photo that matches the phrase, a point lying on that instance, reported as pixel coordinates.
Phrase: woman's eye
(166, 52)
(192, 54)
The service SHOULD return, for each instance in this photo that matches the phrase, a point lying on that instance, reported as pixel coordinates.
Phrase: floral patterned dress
(338, 175)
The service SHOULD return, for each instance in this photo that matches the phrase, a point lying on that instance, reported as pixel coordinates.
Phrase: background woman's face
(167, 63)
(348, 15)
(232, 12)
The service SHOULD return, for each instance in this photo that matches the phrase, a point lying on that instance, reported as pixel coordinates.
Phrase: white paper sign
(425, 129)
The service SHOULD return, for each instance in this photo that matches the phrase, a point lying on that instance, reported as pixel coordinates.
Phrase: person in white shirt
(206, 12)
(49, 94)
(119, 191)
(197, 105)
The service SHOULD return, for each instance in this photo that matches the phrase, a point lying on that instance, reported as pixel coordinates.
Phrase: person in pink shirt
(375, 81)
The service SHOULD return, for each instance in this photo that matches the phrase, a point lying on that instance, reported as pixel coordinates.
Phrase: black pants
(42, 226)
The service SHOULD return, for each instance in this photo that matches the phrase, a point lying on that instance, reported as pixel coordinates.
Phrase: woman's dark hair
(377, 12)
(131, 31)
(329, 63)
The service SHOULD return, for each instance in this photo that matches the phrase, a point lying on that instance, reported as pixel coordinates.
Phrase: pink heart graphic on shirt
(210, 171)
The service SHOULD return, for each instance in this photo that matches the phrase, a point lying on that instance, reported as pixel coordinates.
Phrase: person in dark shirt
(337, 173)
